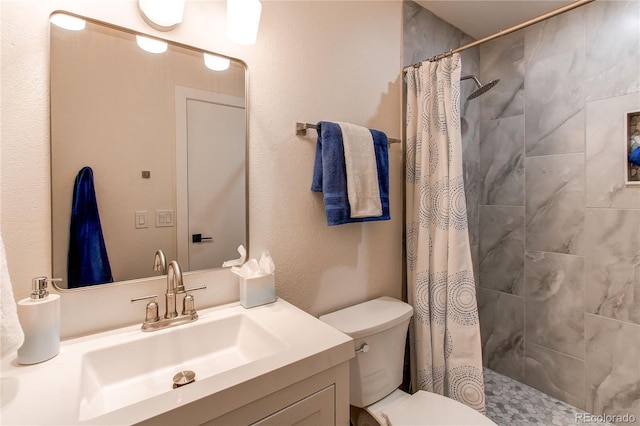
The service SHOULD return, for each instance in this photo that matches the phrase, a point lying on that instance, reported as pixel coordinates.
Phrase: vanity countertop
(51, 392)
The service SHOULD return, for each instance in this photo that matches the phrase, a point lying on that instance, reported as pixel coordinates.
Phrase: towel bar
(301, 129)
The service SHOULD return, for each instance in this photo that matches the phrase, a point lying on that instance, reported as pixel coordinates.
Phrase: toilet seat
(424, 409)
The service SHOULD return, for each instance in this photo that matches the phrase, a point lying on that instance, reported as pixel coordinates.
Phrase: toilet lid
(426, 408)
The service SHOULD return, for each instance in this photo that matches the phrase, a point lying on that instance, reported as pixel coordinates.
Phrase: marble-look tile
(470, 58)
(502, 332)
(470, 127)
(475, 255)
(560, 34)
(612, 36)
(425, 35)
(612, 238)
(503, 59)
(502, 249)
(470, 130)
(502, 161)
(472, 194)
(612, 371)
(555, 104)
(606, 153)
(554, 302)
(511, 403)
(555, 374)
(554, 203)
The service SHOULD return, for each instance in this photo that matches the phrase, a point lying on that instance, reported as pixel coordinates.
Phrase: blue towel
(330, 176)
(87, 260)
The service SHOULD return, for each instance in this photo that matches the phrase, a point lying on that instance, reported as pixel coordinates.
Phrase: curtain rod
(540, 18)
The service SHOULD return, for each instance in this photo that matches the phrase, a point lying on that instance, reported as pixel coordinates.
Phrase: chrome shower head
(481, 88)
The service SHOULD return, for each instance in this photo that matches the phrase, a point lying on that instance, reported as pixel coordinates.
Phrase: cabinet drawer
(315, 410)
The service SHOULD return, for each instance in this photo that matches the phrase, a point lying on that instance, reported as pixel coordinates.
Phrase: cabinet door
(315, 410)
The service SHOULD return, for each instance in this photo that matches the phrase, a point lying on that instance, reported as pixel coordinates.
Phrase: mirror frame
(242, 63)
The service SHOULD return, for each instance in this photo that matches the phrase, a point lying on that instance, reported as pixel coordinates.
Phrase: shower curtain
(446, 356)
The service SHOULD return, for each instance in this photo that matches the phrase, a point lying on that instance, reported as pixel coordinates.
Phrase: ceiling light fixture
(163, 15)
(151, 45)
(243, 19)
(68, 22)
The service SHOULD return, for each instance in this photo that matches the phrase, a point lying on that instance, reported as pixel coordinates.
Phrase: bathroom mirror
(164, 136)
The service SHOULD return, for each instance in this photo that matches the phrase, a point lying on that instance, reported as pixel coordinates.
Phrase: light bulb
(151, 45)
(68, 22)
(216, 63)
(162, 15)
(243, 19)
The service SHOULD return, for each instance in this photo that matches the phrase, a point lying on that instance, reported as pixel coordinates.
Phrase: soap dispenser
(40, 319)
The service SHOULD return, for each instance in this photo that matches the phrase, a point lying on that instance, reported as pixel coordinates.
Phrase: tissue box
(257, 291)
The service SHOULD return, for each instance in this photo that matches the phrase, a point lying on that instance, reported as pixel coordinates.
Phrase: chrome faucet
(174, 285)
(152, 320)
(160, 262)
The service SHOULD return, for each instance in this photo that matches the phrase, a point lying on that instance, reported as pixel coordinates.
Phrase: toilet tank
(382, 325)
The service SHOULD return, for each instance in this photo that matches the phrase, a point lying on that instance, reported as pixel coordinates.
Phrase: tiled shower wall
(554, 229)
(559, 256)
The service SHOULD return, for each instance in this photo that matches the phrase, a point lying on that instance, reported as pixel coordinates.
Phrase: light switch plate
(165, 218)
(142, 219)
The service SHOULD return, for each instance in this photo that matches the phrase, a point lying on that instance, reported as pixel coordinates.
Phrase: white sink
(125, 376)
(116, 376)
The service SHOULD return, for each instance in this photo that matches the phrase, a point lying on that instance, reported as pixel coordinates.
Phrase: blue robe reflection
(87, 260)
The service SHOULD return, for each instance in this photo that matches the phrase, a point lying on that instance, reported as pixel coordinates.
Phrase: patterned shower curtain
(446, 354)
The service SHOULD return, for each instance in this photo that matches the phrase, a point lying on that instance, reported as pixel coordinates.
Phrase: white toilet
(379, 329)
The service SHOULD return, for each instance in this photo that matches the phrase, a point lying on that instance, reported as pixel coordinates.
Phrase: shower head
(481, 88)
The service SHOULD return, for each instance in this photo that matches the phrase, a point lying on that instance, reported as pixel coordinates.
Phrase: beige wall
(313, 61)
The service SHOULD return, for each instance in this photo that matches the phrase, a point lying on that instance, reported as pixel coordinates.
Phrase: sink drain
(184, 378)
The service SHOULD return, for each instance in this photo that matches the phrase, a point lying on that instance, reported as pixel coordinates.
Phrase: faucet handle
(188, 303)
(152, 308)
(188, 306)
(186, 290)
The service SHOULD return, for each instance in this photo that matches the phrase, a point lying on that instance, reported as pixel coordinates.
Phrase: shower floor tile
(511, 403)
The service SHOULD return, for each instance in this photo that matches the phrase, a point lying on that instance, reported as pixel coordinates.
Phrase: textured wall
(559, 231)
(333, 61)
(313, 60)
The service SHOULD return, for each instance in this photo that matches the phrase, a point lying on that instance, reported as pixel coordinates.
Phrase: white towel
(10, 329)
(362, 172)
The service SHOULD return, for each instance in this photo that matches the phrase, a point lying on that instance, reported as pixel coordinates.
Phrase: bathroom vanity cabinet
(321, 400)
(269, 365)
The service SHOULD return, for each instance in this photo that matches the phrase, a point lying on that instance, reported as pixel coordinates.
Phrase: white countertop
(49, 392)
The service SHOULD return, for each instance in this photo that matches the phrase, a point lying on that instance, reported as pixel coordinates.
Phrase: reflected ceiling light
(163, 15)
(151, 45)
(215, 62)
(243, 18)
(67, 22)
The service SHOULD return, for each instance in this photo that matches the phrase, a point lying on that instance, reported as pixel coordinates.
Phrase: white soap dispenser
(40, 319)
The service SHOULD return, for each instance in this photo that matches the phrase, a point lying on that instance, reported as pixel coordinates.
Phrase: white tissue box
(257, 291)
